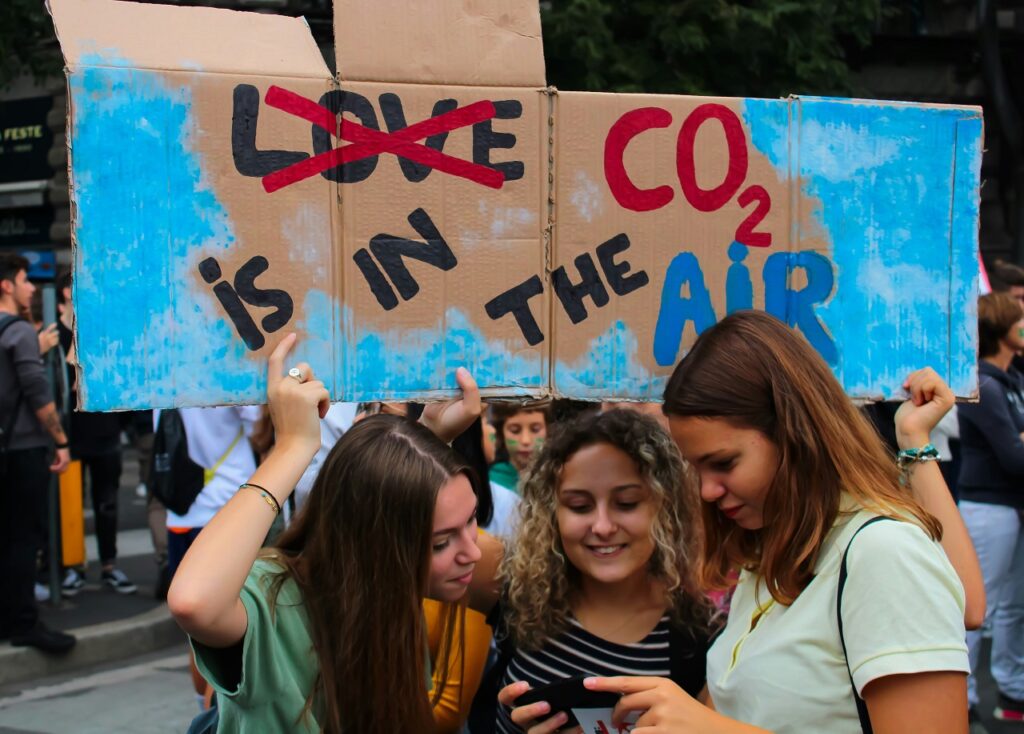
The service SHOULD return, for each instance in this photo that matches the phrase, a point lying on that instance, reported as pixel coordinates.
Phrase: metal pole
(49, 295)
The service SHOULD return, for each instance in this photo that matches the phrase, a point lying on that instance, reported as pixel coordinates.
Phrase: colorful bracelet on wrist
(906, 457)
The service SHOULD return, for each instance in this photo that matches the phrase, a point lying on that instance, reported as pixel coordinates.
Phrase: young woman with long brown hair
(325, 632)
(790, 472)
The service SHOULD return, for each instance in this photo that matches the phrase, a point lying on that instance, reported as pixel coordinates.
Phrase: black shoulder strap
(11, 319)
(862, 709)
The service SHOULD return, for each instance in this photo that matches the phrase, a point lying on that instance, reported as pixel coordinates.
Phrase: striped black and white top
(578, 652)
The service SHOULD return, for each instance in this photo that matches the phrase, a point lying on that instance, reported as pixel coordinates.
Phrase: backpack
(7, 429)
(174, 478)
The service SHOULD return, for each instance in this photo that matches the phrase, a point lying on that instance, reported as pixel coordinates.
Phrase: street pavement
(151, 694)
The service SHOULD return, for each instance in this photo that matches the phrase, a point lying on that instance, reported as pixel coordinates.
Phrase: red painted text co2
(630, 196)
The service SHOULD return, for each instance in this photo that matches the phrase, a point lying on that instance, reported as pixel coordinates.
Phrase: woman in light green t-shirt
(325, 632)
(789, 472)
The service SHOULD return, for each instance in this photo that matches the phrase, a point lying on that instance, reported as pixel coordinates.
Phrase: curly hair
(539, 578)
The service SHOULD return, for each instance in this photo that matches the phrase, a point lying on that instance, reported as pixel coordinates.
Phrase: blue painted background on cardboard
(905, 281)
(904, 259)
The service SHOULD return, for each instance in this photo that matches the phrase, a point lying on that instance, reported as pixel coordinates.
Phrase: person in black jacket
(992, 496)
(96, 442)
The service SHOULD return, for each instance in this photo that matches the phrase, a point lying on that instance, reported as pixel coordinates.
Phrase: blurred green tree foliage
(765, 48)
(27, 42)
(722, 47)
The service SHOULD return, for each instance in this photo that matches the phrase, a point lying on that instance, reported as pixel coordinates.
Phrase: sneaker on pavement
(1009, 709)
(44, 639)
(42, 592)
(116, 580)
(72, 584)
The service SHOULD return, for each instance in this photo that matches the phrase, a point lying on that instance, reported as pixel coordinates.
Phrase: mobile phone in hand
(568, 694)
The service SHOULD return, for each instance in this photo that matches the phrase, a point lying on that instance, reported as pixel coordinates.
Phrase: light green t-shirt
(268, 691)
(903, 613)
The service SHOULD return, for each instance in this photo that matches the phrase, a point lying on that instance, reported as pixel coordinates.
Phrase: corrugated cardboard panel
(153, 36)
(886, 184)
(455, 42)
(187, 271)
(850, 220)
(226, 191)
(436, 233)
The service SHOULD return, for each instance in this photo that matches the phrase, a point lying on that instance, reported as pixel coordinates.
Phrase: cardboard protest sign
(854, 221)
(435, 206)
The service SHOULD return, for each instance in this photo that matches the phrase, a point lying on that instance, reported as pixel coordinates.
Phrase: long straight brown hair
(360, 551)
(755, 372)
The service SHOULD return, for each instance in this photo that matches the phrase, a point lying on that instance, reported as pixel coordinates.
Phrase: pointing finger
(275, 365)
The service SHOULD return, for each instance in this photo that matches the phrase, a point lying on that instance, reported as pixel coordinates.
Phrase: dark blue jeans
(177, 546)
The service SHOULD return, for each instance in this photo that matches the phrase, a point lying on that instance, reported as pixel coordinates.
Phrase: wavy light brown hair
(539, 577)
(360, 552)
(755, 372)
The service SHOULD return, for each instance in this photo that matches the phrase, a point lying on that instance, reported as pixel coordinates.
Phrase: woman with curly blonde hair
(602, 579)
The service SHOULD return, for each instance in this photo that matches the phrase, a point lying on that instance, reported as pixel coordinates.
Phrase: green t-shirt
(266, 690)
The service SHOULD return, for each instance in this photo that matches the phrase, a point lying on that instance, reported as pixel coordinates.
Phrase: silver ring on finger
(296, 374)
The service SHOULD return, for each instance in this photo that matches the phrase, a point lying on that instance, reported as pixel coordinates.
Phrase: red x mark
(368, 142)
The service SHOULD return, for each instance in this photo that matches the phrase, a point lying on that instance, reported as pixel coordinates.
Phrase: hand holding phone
(567, 694)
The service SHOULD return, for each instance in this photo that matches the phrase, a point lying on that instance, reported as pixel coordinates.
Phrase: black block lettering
(614, 272)
(572, 296)
(210, 270)
(485, 140)
(516, 302)
(394, 118)
(244, 118)
(245, 284)
(375, 279)
(390, 251)
(243, 322)
(358, 105)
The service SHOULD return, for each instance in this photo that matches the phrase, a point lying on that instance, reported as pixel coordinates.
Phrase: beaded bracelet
(270, 499)
(906, 457)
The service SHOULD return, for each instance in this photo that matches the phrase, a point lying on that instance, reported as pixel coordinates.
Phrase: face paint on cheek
(512, 443)
(538, 443)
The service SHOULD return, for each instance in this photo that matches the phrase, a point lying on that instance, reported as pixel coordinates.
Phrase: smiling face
(736, 465)
(454, 551)
(523, 433)
(605, 512)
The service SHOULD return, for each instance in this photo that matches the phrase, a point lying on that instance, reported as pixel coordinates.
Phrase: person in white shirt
(793, 478)
(333, 426)
(217, 441)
